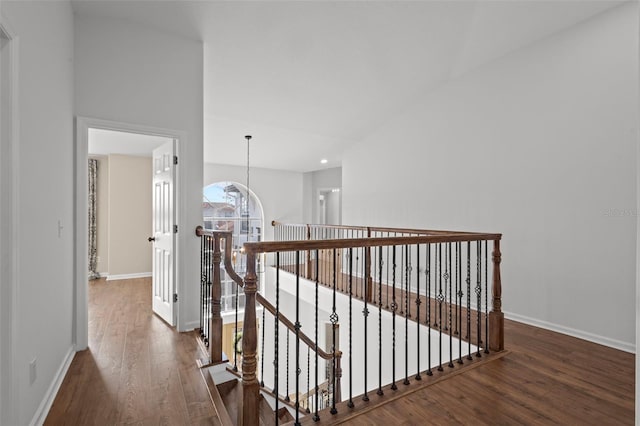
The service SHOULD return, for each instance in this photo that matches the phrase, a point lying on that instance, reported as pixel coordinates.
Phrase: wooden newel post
(248, 404)
(496, 317)
(215, 343)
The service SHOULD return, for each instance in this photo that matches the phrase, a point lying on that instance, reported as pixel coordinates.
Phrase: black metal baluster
(286, 397)
(262, 350)
(387, 282)
(308, 410)
(334, 320)
(316, 417)
(406, 316)
(297, 327)
(350, 403)
(440, 300)
(449, 279)
(457, 284)
(235, 332)
(469, 357)
(418, 302)
(428, 320)
(486, 299)
(459, 295)
(276, 329)
(479, 294)
(380, 392)
(402, 281)
(365, 313)
(394, 307)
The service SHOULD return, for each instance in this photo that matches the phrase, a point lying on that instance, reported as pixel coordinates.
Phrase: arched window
(225, 208)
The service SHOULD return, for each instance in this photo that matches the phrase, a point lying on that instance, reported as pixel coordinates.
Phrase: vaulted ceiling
(307, 78)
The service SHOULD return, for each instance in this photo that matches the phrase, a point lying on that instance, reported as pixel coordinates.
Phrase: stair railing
(394, 271)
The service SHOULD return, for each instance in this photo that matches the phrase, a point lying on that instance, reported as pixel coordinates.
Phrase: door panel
(163, 232)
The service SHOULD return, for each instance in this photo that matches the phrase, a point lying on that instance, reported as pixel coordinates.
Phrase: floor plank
(137, 370)
(546, 378)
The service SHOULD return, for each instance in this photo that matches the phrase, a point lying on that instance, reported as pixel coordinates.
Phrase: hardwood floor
(140, 371)
(546, 378)
(137, 370)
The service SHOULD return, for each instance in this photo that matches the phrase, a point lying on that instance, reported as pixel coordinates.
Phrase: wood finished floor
(140, 371)
(137, 370)
(546, 378)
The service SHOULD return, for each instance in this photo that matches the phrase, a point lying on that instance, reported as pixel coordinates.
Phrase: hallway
(137, 370)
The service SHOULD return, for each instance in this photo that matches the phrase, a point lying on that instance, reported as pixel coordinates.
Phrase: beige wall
(129, 206)
(102, 213)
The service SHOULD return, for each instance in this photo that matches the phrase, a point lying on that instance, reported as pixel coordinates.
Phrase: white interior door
(164, 232)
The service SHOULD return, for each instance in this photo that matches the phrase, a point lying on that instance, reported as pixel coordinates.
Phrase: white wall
(279, 192)
(43, 316)
(539, 145)
(127, 73)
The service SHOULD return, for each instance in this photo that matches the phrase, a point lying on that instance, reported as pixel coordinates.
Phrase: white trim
(192, 325)
(584, 335)
(128, 276)
(8, 372)
(43, 410)
(81, 334)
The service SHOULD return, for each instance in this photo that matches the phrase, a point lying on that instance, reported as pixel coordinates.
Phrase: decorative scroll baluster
(457, 284)
(440, 301)
(316, 417)
(479, 297)
(334, 321)
(365, 313)
(450, 285)
(308, 376)
(394, 306)
(380, 392)
(406, 315)
(418, 302)
(486, 299)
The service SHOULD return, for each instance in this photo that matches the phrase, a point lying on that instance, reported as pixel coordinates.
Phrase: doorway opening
(329, 206)
(124, 246)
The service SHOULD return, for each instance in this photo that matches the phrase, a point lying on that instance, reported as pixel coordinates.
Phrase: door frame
(83, 124)
(9, 242)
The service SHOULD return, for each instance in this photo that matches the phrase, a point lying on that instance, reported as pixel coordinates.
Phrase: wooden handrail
(287, 323)
(276, 246)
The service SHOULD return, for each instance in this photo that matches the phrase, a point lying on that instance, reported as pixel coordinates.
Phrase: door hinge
(175, 297)
(175, 229)
(175, 160)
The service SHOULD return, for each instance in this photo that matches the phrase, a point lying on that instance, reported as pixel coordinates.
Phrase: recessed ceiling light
(324, 161)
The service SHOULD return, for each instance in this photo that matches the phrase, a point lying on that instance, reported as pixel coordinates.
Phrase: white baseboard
(128, 276)
(191, 326)
(584, 335)
(43, 410)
